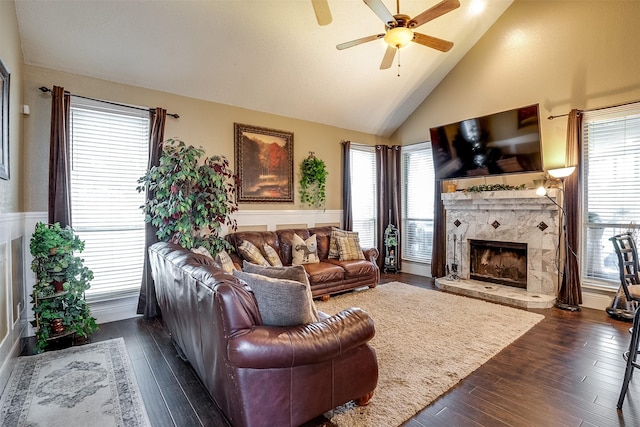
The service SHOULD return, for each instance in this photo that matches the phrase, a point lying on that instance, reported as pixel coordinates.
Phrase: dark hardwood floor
(566, 371)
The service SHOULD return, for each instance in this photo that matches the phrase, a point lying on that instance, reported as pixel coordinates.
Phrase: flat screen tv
(497, 144)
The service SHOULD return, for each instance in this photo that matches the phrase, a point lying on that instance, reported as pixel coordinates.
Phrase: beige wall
(11, 54)
(560, 54)
(201, 123)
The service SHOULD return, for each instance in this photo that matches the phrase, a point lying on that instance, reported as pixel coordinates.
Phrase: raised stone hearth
(517, 216)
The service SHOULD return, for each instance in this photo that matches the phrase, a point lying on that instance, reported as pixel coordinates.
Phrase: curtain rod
(595, 109)
(46, 89)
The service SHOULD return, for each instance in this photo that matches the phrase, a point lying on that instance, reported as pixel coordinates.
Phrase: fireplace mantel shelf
(502, 200)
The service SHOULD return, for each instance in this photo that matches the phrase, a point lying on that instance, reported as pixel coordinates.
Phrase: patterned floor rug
(89, 385)
(426, 342)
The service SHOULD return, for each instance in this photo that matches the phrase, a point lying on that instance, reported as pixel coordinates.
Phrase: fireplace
(521, 272)
(498, 262)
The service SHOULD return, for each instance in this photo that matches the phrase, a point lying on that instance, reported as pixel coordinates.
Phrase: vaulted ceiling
(264, 55)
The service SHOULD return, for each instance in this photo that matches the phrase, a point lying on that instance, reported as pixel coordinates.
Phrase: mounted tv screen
(497, 144)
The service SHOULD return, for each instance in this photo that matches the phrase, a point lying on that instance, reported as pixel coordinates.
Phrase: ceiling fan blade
(445, 6)
(381, 10)
(323, 14)
(432, 42)
(356, 42)
(387, 60)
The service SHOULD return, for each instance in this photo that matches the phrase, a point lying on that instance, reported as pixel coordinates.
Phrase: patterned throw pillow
(333, 246)
(251, 253)
(271, 255)
(281, 302)
(225, 261)
(304, 251)
(349, 248)
(202, 251)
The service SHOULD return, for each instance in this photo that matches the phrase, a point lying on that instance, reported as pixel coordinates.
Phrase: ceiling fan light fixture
(398, 37)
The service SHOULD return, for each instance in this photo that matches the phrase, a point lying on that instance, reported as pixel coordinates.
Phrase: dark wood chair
(627, 253)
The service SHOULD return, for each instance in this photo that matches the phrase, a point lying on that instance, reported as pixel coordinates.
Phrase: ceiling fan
(399, 29)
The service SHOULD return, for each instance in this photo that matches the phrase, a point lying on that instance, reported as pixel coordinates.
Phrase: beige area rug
(88, 385)
(426, 342)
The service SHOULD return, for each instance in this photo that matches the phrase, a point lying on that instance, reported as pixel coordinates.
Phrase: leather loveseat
(329, 276)
(259, 375)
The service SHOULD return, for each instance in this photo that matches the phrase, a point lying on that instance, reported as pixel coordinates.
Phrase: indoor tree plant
(61, 280)
(313, 179)
(189, 198)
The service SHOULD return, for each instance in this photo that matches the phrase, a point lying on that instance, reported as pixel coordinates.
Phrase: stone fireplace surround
(519, 216)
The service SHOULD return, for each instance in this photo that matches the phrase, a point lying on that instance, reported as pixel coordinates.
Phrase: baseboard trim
(417, 268)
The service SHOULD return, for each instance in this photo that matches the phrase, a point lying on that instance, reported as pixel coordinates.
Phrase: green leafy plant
(61, 280)
(313, 179)
(494, 187)
(189, 198)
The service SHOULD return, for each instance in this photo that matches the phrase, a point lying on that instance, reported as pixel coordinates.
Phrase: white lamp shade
(562, 172)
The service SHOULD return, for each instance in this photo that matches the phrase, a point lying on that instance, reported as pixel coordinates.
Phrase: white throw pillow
(304, 251)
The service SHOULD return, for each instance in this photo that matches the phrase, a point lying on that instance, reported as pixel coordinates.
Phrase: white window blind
(417, 204)
(109, 150)
(363, 194)
(611, 149)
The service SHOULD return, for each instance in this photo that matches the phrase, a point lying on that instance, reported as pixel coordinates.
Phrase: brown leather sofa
(327, 277)
(259, 375)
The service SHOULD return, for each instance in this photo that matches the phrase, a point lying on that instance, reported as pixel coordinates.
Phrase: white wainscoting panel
(14, 270)
(272, 219)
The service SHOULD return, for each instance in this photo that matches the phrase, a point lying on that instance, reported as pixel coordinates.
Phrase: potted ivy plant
(190, 197)
(61, 281)
(313, 179)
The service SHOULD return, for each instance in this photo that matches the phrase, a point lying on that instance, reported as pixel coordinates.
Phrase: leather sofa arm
(371, 254)
(264, 347)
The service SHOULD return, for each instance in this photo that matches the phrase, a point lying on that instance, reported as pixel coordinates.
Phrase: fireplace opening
(504, 263)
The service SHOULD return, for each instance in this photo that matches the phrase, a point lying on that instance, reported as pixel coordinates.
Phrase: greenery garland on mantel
(313, 178)
(493, 187)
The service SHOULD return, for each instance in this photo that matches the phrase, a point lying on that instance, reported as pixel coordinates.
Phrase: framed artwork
(4, 121)
(264, 162)
(527, 116)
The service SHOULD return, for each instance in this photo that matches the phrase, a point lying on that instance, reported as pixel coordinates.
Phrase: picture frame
(4, 120)
(264, 164)
(527, 116)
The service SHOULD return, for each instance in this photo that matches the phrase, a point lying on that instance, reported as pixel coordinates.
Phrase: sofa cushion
(333, 244)
(356, 268)
(294, 272)
(251, 253)
(324, 272)
(349, 248)
(304, 251)
(271, 255)
(281, 302)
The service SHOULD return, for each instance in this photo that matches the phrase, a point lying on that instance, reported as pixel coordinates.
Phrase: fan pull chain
(398, 49)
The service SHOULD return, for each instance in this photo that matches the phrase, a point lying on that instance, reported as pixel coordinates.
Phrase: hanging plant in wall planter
(313, 179)
(190, 198)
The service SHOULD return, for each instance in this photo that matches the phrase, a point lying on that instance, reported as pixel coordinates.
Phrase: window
(417, 205)
(109, 152)
(611, 150)
(363, 194)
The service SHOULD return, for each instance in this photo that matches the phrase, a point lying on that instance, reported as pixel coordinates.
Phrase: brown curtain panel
(570, 292)
(147, 303)
(388, 176)
(347, 212)
(59, 159)
(439, 251)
